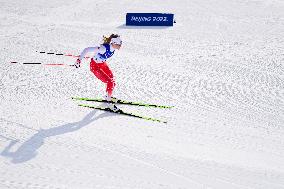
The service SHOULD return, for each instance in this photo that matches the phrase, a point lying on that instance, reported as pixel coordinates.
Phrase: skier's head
(114, 40)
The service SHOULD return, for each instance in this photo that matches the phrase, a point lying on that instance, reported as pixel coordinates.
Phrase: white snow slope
(221, 66)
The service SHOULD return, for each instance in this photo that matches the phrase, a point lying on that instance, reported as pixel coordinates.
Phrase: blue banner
(149, 19)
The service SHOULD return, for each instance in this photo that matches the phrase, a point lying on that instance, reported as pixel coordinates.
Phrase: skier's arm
(94, 50)
(87, 50)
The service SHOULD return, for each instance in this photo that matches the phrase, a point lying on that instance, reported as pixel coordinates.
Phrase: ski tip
(76, 98)
(169, 107)
(87, 106)
(154, 105)
(160, 121)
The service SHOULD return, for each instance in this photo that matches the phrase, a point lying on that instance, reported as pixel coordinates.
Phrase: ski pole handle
(78, 63)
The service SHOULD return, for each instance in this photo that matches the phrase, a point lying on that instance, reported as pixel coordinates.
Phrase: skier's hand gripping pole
(77, 63)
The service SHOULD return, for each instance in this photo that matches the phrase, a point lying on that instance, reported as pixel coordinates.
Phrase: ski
(121, 112)
(117, 101)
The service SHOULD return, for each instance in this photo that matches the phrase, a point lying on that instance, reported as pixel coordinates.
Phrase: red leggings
(103, 73)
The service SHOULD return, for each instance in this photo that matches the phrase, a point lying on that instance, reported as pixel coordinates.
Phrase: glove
(78, 63)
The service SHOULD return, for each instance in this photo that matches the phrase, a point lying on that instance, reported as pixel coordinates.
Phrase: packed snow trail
(220, 65)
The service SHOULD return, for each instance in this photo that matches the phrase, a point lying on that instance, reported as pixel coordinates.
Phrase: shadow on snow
(28, 149)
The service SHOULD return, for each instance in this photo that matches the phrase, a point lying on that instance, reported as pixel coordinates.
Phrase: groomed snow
(221, 66)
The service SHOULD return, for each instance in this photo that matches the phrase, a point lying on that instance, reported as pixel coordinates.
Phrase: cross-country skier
(99, 66)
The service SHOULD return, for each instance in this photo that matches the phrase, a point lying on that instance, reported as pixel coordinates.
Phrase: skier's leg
(95, 69)
(103, 73)
(110, 80)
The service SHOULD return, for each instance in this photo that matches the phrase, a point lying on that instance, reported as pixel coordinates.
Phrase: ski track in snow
(221, 66)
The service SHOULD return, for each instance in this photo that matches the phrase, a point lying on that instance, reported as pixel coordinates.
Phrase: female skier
(99, 66)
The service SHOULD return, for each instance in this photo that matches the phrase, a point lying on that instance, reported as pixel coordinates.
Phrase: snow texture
(220, 65)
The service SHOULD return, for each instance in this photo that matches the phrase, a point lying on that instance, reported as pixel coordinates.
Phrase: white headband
(116, 41)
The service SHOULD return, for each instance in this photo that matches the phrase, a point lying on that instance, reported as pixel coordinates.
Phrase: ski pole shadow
(28, 150)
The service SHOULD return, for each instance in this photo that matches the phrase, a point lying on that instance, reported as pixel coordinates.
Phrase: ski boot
(113, 107)
(110, 104)
(110, 99)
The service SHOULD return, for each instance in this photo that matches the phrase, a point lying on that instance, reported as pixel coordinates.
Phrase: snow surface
(221, 66)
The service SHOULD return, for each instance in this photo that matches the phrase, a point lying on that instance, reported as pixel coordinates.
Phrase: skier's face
(116, 46)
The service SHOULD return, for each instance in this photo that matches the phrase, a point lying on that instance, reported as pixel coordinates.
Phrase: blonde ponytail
(106, 40)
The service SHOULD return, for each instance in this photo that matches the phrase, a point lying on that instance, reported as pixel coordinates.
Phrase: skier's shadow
(28, 150)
